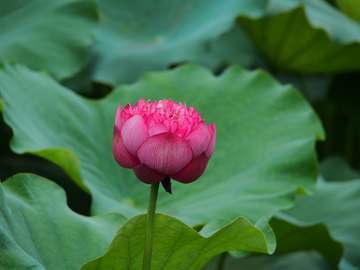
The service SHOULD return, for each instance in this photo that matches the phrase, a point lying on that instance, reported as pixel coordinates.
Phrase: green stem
(220, 263)
(150, 221)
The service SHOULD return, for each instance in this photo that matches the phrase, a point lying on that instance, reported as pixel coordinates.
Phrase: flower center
(175, 116)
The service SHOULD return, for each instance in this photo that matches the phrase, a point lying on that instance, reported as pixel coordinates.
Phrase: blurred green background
(91, 47)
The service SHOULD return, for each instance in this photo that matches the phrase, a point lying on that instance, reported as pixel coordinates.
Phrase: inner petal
(134, 132)
(157, 129)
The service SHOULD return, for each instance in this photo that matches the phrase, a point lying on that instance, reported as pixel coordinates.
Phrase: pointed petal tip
(119, 121)
(211, 147)
(199, 139)
(157, 129)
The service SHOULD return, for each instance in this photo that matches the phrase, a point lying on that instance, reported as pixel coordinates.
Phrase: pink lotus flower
(162, 139)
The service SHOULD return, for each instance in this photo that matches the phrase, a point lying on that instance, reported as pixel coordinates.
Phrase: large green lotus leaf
(52, 35)
(296, 233)
(307, 36)
(39, 231)
(12, 163)
(291, 261)
(178, 246)
(294, 236)
(264, 151)
(140, 36)
(321, 15)
(337, 205)
(350, 8)
(335, 168)
(235, 47)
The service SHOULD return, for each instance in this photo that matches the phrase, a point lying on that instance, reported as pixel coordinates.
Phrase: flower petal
(210, 149)
(134, 132)
(157, 129)
(199, 139)
(121, 154)
(193, 170)
(119, 119)
(166, 152)
(147, 175)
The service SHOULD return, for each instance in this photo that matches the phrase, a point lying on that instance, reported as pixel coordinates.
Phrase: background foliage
(274, 76)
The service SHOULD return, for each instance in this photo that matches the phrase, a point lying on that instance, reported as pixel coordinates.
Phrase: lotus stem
(221, 261)
(150, 222)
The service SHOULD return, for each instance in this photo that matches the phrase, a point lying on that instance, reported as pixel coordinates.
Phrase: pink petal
(174, 126)
(210, 149)
(193, 170)
(199, 139)
(134, 132)
(119, 119)
(157, 129)
(166, 152)
(147, 175)
(121, 154)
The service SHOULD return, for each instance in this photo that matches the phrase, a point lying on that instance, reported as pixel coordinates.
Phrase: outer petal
(210, 149)
(157, 129)
(119, 119)
(134, 132)
(199, 139)
(147, 175)
(193, 170)
(121, 154)
(166, 152)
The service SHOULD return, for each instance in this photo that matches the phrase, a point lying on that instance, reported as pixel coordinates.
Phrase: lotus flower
(162, 139)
